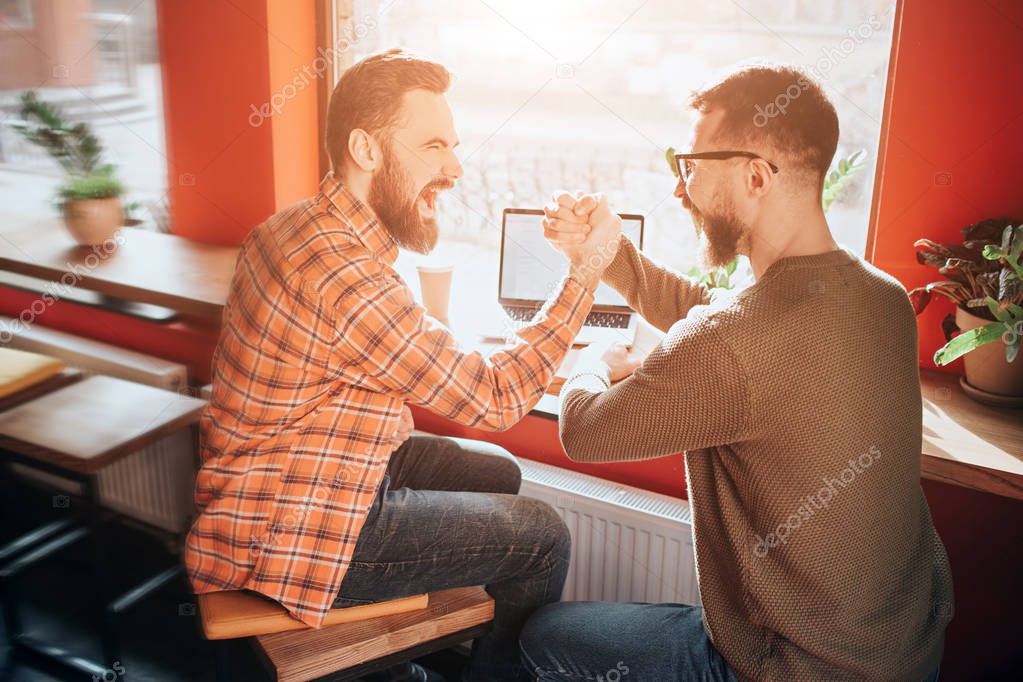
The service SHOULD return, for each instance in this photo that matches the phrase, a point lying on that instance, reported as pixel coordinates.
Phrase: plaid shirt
(322, 345)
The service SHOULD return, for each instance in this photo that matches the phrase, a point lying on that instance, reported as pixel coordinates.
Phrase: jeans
(612, 642)
(447, 515)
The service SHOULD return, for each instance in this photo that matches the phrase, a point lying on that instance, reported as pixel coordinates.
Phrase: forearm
(688, 394)
(660, 295)
(430, 369)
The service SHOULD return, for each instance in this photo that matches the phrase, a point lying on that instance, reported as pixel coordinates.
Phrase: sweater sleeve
(662, 296)
(690, 393)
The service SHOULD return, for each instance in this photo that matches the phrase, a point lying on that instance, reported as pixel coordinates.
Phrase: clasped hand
(585, 229)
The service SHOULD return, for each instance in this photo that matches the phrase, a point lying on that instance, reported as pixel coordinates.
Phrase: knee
(506, 471)
(543, 523)
(503, 474)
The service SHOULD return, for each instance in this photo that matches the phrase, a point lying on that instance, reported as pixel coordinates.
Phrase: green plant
(840, 177)
(94, 186)
(73, 146)
(984, 276)
(718, 278)
(131, 212)
(836, 181)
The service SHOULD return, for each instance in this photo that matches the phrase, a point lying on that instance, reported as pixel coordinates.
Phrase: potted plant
(984, 278)
(90, 196)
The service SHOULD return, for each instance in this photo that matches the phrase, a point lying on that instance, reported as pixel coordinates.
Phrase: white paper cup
(435, 282)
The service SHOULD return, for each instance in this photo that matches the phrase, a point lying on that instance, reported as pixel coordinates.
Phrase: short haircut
(777, 108)
(369, 95)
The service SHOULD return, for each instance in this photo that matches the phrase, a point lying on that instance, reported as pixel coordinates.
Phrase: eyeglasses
(684, 162)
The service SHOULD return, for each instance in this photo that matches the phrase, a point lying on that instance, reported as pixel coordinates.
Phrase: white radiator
(627, 544)
(155, 484)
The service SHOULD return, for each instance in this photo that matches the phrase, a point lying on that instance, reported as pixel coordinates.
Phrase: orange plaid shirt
(322, 345)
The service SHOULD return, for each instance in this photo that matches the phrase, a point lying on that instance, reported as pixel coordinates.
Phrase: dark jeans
(447, 515)
(610, 642)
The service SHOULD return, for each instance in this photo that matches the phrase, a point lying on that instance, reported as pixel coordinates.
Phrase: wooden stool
(353, 641)
(74, 432)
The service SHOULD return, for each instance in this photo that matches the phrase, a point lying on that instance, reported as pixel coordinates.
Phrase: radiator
(155, 484)
(627, 544)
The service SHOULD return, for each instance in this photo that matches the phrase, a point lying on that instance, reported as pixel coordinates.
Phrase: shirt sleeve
(689, 393)
(661, 295)
(393, 342)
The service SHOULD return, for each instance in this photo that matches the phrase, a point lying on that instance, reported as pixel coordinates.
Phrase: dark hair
(369, 95)
(775, 108)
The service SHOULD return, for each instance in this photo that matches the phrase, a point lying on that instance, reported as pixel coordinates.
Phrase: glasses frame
(680, 167)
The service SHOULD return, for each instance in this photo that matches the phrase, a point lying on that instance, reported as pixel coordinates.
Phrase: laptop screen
(531, 267)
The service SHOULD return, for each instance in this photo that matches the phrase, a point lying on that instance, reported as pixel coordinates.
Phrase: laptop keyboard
(594, 319)
(522, 314)
(609, 320)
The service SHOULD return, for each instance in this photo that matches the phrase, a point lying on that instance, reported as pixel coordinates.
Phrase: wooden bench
(353, 641)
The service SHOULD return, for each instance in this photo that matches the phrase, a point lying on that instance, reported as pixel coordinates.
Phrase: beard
(724, 234)
(391, 197)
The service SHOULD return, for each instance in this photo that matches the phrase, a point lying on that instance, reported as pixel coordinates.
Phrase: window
(589, 95)
(100, 66)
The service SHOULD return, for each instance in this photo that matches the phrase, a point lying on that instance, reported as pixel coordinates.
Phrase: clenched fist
(586, 230)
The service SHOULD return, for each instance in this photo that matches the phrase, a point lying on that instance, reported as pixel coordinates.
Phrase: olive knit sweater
(798, 406)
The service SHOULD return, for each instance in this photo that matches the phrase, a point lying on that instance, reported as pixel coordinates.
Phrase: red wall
(223, 63)
(950, 156)
(952, 143)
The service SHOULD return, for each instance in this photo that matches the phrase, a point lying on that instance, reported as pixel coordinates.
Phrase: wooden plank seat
(354, 641)
(243, 613)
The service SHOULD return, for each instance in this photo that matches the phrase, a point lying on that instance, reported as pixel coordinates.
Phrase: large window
(575, 94)
(98, 61)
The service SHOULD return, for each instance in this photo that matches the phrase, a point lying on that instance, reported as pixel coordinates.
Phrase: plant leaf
(669, 156)
(967, 341)
(996, 309)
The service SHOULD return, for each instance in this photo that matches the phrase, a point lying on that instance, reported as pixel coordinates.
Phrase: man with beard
(311, 490)
(798, 406)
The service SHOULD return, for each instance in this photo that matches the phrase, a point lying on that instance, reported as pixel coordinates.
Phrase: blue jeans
(447, 515)
(610, 642)
(613, 642)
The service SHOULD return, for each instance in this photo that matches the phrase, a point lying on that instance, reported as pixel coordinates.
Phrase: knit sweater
(798, 406)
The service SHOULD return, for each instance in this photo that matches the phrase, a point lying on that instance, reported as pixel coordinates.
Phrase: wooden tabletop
(92, 423)
(969, 444)
(147, 267)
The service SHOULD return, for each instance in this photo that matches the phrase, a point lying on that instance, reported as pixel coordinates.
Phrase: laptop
(530, 268)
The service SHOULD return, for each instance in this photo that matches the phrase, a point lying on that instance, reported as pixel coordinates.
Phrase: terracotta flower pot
(93, 221)
(986, 367)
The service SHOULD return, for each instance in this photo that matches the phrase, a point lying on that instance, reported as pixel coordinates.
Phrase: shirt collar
(368, 228)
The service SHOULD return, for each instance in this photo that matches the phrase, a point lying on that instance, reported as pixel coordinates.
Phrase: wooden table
(969, 444)
(146, 267)
(91, 423)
